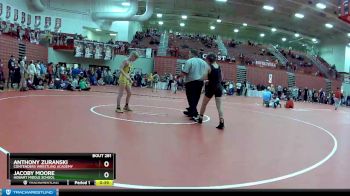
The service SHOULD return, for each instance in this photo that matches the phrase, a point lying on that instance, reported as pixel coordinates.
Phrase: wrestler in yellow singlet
(125, 82)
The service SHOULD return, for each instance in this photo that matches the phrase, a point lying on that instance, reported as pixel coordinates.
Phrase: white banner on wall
(8, 12)
(220, 57)
(15, 15)
(29, 20)
(23, 19)
(265, 64)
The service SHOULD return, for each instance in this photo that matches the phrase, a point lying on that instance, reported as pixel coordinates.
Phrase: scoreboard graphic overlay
(92, 169)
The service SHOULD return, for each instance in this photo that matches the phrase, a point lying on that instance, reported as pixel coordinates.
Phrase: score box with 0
(73, 166)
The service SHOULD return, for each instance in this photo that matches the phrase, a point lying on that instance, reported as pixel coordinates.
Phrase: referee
(194, 72)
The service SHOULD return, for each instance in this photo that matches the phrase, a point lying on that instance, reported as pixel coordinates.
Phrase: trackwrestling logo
(14, 192)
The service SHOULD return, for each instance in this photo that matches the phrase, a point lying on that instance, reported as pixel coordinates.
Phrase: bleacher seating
(251, 52)
(184, 43)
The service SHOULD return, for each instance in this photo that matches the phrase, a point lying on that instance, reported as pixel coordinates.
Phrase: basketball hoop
(344, 10)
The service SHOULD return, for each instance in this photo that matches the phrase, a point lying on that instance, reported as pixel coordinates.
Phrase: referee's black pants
(193, 93)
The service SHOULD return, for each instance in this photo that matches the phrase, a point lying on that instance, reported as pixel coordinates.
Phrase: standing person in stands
(279, 91)
(171, 81)
(213, 87)
(305, 94)
(31, 71)
(337, 98)
(125, 82)
(194, 70)
(156, 79)
(11, 67)
(23, 70)
(16, 79)
(50, 72)
(2, 78)
(239, 86)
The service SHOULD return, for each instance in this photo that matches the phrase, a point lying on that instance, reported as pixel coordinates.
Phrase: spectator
(84, 86)
(289, 104)
(75, 84)
(267, 97)
(23, 71)
(2, 78)
(171, 81)
(50, 72)
(76, 71)
(99, 73)
(337, 98)
(305, 94)
(276, 101)
(156, 79)
(238, 86)
(11, 67)
(31, 71)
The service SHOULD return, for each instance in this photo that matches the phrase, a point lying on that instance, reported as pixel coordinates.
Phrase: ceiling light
(222, 1)
(348, 34)
(321, 6)
(159, 15)
(245, 24)
(268, 7)
(329, 26)
(126, 4)
(348, 44)
(98, 30)
(284, 39)
(113, 34)
(160, 22)
(219, 20)
(236, 30)
(299, 15)
(297, 35)
(182, 24)
(262, 35)
(212, 27)
(273, 29)
(184, 17)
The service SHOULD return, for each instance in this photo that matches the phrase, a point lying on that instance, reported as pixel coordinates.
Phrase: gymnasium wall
(10, 46)
(309, 81)
(257, 75)
(164, 65)
(229, 71)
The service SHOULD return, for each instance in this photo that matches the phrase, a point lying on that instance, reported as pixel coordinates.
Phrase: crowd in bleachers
(332, 71)
(298, 63)
(179, 44)
(148, 39)
(249, 53)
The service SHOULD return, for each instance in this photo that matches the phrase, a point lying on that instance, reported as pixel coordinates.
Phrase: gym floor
(158, 147)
